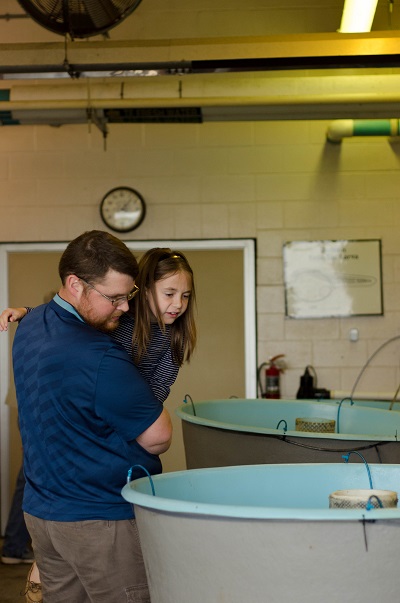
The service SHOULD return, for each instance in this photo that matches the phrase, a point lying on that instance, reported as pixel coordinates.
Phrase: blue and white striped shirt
(157, 366)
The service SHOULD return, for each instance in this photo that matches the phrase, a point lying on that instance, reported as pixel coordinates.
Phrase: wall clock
(122, 209)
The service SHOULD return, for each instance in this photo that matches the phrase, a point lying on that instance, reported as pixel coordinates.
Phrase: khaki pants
(89, 561)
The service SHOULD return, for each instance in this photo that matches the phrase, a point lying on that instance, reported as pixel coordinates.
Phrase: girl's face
(172, 294)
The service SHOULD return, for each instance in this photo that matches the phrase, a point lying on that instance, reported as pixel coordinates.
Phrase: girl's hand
(11, 315)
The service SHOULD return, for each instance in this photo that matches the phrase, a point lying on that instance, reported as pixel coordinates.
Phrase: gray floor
(12, 582)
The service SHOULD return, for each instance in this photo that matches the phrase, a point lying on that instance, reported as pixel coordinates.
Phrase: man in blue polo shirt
(86, 416)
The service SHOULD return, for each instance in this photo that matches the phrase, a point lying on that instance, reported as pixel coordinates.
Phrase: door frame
(250, 338)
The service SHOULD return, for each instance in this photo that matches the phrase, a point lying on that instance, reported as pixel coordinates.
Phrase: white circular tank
(259, 533)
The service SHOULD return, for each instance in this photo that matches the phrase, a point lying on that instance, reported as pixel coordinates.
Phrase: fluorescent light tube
(357, 16)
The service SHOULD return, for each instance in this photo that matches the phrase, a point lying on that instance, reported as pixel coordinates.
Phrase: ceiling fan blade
(79, 18)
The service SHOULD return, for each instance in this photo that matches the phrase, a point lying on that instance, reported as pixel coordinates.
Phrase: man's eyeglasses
(117, 301)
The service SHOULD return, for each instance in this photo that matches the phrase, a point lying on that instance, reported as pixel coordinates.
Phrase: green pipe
(375, 127)
(347, 128)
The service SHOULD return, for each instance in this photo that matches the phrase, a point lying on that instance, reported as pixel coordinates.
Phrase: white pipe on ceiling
(200, 101)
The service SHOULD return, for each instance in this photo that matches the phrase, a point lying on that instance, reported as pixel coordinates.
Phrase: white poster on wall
(332, 278)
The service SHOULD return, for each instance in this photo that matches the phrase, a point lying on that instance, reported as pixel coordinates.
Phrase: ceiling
(300, 68)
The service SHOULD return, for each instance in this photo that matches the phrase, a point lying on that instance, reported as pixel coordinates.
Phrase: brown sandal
(33, 590)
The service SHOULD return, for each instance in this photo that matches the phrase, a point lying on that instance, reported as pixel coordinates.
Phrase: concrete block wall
(274, 181)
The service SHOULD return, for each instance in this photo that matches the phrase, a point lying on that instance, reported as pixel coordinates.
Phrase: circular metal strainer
(358, 499)
(315, 424)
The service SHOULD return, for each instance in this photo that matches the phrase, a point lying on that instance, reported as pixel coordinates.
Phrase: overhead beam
(222, 92)
(247, 53)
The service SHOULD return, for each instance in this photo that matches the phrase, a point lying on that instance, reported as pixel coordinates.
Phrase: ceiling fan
(79, 18)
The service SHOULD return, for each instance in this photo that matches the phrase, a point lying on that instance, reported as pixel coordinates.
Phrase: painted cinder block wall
(274, 181)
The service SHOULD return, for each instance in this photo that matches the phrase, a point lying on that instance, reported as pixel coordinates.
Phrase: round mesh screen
(358, 499)
(316, 424)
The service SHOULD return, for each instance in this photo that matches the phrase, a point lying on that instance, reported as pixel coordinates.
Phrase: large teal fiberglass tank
(218, 433)
(266, 533)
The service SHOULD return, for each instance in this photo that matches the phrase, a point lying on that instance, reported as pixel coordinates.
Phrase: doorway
(223, 365)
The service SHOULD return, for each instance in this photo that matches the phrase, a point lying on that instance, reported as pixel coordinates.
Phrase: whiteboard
(332, 278)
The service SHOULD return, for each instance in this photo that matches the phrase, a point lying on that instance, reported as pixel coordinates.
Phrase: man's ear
(74, 286)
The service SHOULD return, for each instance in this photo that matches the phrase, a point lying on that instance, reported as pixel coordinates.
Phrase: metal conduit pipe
(204, 101)
(346, 128)
(10, 16)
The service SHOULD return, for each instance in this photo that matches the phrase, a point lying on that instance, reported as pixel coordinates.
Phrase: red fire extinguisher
(272, 378)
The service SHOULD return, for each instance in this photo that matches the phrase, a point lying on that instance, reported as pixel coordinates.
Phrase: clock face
(122, 209)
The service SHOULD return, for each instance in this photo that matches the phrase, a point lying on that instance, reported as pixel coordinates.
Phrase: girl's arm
(11, 315)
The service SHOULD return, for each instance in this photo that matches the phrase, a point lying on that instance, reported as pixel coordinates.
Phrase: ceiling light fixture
(357, 16)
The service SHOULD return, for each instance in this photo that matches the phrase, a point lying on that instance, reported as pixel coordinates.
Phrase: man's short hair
(91, 255)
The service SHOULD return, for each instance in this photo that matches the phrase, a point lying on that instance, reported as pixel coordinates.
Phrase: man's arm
(157, 438)
(125, 402)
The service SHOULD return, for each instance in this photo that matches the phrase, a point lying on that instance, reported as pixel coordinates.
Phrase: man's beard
(106, 325)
